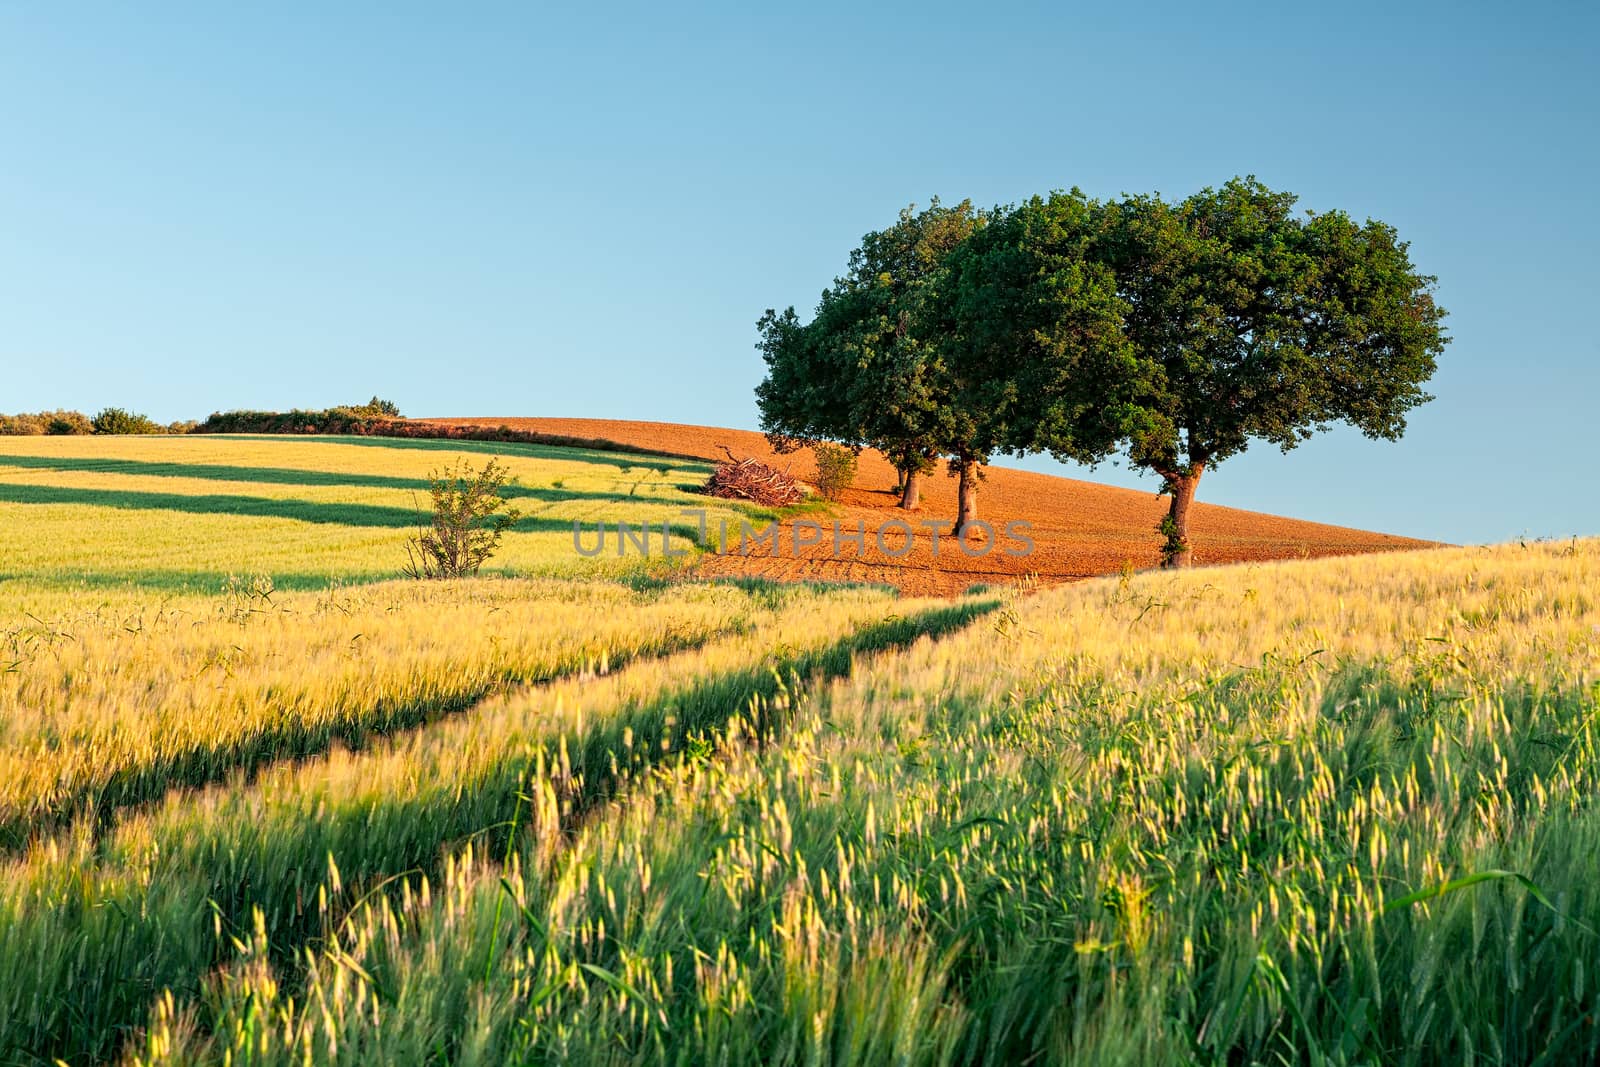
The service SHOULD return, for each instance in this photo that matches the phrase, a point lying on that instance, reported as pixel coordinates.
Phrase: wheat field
(261, 806)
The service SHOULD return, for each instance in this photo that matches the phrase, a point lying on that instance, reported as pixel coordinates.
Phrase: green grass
(110, 919)
(1333, 812)
(170, 516)
(128, 708)
(175, 757)
(1337, 812)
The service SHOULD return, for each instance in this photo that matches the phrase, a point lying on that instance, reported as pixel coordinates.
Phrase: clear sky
(477, 209)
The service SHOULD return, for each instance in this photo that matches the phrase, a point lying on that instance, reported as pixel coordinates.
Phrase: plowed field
(1079, 529)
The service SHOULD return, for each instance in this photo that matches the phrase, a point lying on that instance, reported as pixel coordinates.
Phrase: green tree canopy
(1039, 355)
(1248, 322)
(868, 370)
(1181, 332)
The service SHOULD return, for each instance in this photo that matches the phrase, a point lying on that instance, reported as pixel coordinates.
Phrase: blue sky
(508, 210)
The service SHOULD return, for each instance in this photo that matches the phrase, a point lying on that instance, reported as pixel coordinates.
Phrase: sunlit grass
(1336, 812)
(106, 709)
(189, 617)
(108, 921)
(176, 515)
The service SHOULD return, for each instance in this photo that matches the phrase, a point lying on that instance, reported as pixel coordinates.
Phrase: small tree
(470, 515)
(376, 406)
(802, 398)
(836, 469)
(911, 463)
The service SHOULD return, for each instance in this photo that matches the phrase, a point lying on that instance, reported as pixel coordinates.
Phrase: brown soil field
(1079, 529)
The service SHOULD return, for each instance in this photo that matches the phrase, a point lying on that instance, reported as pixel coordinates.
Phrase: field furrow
(102, 712)
(95, 929)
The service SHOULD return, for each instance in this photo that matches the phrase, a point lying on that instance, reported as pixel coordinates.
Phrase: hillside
(1080, 528)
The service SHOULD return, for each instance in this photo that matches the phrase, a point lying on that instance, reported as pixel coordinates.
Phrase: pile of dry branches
(749, 479)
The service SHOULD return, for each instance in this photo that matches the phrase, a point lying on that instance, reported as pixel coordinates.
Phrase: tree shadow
(295, 476)
(333, 514)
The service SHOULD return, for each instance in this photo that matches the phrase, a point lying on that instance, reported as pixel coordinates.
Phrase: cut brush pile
(750, 479)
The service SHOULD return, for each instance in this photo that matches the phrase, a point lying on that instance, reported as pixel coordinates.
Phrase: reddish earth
(1079, 529)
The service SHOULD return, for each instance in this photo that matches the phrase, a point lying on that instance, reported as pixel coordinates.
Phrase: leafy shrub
(62, 423)
(836, 469)
(20, 425)
(469, 517)
(24, 424)
(119, 421)
(375, 406)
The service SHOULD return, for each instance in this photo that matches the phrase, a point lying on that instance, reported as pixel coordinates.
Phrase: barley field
(162, 516)
(262, 803)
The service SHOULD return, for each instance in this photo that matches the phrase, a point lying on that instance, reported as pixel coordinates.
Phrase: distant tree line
(374, 415)
(66, 423)
(375, 418)
(1171, 333)
(114, 420)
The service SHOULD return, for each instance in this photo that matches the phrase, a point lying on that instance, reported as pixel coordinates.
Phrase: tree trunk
(966, 496)
(1177, 551)
(910, 490)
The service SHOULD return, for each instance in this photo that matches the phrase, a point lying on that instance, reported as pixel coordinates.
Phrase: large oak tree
(1250, 323)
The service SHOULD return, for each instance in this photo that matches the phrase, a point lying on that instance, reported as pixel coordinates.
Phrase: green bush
(120, 421)
(469, 518)
(836, 469)
(63, 423)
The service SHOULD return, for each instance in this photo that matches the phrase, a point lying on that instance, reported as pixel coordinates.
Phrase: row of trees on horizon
(1172, 333)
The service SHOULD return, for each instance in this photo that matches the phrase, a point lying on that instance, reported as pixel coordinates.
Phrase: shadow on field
(373, 515)
(83, 1000)
(297, 476)
(282, 741)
